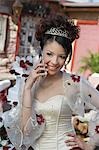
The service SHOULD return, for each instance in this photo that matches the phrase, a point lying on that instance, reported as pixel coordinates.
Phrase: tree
(90, 62)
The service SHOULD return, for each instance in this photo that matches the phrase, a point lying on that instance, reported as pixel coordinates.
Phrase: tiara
(58, 31)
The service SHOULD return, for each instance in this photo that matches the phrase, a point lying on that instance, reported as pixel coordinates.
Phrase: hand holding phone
(39, 71)
(45, 66)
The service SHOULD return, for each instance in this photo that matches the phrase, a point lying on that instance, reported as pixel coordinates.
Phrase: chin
(51, 72)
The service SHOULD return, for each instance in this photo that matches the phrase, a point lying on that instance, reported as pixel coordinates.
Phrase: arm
(26, 107)
(27, 94)
(21, 121)
(83, 93)
(89, 94)
(91, 97)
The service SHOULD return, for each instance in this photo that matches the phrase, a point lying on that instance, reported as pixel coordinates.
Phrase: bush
(90, 62)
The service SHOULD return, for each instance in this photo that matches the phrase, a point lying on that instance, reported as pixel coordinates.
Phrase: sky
(85, 0)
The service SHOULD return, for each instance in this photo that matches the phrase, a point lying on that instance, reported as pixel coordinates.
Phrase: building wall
(86, 15)
(77, 13)
(87, 42)
(7, 56)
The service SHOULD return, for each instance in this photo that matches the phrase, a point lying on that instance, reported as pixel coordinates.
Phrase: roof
(79, 4)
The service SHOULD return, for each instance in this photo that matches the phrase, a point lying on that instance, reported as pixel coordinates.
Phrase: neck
(54, 77)
(49, 80)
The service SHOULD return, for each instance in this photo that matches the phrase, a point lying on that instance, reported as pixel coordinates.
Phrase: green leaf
(90, 62)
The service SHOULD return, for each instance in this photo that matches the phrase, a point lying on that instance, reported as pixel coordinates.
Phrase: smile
(52, 67)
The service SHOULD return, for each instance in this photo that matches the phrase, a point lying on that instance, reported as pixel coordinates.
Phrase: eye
(63, 57)
(49, 54)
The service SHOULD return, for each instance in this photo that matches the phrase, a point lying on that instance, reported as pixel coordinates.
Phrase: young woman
(51, 96)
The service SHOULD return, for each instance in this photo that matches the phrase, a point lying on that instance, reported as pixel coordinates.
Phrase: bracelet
(27, 106)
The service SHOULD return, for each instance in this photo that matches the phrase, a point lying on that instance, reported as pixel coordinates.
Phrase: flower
(15, 103)
(3, 142)
(1, 122)
(75, 78)
(97, 129)
(40, 119)
(28, 63)
(25, 75)
(22, 64)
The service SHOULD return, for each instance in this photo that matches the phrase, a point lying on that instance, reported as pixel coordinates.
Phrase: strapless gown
(57, 115)
(57, 112)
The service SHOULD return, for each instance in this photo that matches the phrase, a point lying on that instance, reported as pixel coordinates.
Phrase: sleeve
(90, 96)
(79, 92)
(34, 127)
(93, 128)
(72, 93)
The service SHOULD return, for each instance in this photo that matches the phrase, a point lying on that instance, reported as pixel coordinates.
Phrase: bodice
(57, 115)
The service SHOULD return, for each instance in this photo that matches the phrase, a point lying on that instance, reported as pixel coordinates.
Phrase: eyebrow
(53, 53)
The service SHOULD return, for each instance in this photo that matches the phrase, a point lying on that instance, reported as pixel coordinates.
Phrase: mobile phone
(40, 58)
(41, 61)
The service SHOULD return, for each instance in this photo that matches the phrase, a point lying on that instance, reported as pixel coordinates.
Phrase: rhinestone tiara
(59, 32)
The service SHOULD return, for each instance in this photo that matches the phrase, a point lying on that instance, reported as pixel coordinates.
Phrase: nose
(54, 60)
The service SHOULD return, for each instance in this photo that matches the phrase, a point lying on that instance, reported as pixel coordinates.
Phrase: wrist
(27, 106)
(89, 146)
(27, 98)
(27, 87)
(29, 83)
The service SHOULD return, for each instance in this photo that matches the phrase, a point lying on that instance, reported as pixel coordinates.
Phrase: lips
(52, 68)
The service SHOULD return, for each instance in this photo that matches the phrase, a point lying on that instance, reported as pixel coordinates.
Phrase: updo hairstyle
(57, 21)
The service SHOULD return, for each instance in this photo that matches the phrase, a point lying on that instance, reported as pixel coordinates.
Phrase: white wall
(84, 0)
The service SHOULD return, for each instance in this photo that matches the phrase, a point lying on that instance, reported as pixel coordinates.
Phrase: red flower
(29, 63)
(75, 78)
(97, 129)
(25, 75)
(3, 96)
(15, 103)
(22, 64)
(5, 148)
(40, 119)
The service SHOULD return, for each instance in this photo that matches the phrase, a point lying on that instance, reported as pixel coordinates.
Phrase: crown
(59, 32)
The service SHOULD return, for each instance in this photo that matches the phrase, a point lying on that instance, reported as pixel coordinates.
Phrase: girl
(50, 95)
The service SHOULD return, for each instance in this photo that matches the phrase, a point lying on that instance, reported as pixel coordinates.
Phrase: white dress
(50, 122)
(57, 115)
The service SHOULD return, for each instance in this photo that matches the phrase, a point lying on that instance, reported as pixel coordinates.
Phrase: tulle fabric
(80, 93)
(77, 91)
(12, 122)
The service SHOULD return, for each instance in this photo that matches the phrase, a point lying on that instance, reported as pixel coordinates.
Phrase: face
(54, 56)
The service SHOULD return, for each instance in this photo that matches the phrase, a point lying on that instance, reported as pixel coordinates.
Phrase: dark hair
(65, 24)
(97, 87)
